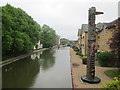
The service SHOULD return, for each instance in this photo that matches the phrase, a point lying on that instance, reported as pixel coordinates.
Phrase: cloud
(66, 16)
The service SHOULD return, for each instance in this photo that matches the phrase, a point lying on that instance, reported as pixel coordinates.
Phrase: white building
(38, 45)
(58, 40)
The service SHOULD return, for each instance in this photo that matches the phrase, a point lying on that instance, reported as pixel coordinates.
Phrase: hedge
(84, 59)
(105, 59)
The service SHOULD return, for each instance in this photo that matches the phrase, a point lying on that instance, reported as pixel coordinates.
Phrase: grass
(112, 73)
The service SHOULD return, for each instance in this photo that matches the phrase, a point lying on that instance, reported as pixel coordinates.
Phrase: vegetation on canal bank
(20, 33)
(48, 36)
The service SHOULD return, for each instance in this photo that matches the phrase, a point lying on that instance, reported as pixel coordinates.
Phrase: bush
(105, 58)
(96, 56)
(84, 59)
(78, 53)
(113, 85)
(81, 55)
(75, 49)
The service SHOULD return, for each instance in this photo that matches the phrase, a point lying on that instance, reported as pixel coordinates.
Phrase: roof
(108, 25)
(84, 28)
(64, 39)
(79, 31)
(99, 27)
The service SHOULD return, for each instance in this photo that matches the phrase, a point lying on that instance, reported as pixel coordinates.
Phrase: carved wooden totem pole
(90, 76)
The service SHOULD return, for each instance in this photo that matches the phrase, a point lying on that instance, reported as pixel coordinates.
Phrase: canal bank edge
(73, 84)
(11, 60)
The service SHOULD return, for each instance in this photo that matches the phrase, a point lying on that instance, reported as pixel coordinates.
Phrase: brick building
(104, 32)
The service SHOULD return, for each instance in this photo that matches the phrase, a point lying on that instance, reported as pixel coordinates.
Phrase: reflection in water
(47, 59)
(36, 55)
(57, 76)
(22, 73)
(39, 70)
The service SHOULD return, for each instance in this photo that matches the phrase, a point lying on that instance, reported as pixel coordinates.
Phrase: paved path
(78, 71)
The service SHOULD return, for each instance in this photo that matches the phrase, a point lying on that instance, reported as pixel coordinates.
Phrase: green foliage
(75, 49)
(84, 59)
(113, 85)
(77, 53)
(81, 55)
(64, 42)
(112, 73)
(21, 42)
(105, 58)
(19, 31)
(72, 42)
(48, 36)
(96, 56)
(114, 43)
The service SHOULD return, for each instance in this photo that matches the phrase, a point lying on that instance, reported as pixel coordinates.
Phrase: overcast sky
(66, 16)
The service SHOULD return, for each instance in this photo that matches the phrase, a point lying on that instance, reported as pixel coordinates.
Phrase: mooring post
(90, 75)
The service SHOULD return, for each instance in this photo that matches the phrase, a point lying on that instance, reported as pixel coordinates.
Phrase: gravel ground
(79, 69)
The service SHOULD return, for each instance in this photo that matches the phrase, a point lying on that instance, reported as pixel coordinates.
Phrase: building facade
(38, 45)
(83, 38)
(57, 40)
(103, 36)
(104, 33)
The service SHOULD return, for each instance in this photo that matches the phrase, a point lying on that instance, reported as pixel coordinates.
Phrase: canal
(47, 69)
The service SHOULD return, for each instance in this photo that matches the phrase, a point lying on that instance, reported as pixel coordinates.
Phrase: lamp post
(90, 75)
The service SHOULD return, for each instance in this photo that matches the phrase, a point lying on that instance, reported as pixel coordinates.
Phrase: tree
(48, 36)
(115, 43)
(21, 42)
(64, 42)
(19, 31)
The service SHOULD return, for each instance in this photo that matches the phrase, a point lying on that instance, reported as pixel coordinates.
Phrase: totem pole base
(93, 81)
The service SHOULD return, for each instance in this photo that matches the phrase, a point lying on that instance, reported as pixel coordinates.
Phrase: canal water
(47, 69)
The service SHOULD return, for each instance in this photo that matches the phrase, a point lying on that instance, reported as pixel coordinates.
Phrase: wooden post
(90, 75)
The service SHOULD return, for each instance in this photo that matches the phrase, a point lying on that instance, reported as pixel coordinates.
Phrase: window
(103, 32)
(98, 35)
(98, 45)
(105, 42)
(106, 30)
(98, 42)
